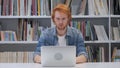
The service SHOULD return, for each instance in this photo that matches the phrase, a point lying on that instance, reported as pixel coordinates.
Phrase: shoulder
(49, 31)
(73, 30)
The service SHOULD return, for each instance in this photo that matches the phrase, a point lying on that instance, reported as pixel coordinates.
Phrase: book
(91, 7)
(100, 6)
(116, 35)
(39, 5)
(29, 7)
(0, 7)
(116, 7)
(82, 7)
(114, 53)
(68, 2)
(75, 6)
(22, 8)
(15, 8)
(101, 33)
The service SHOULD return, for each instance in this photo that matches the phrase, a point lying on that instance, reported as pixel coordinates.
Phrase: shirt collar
(68, 33)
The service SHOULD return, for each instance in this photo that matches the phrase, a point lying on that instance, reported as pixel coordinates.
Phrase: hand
(37, 59)
(81, 59)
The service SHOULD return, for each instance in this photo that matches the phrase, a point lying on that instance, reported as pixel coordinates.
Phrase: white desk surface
(83, 65)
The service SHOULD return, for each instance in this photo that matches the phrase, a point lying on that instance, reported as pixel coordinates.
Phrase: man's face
(61, 20)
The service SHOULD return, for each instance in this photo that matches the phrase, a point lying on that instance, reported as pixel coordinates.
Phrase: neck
(61, 32)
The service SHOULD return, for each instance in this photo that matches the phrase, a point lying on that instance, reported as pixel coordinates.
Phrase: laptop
(58, 56)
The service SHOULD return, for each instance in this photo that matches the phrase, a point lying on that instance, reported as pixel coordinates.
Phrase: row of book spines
(12, 36)
(16, 57)
(8, 36)
(24, 7)
(26, 31)
(35, 30)
(96, 54)
(29, 30)
(84, 27)
(79, 9)
(95, 7)
(37, 7)
(89, 30)
(23, 11)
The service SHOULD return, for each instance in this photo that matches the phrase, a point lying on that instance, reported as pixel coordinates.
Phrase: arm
(37, 53)
(81, 50)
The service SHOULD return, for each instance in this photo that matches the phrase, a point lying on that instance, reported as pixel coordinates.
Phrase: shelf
(86, 42)
(115, 41)
(73, 16)
(90, 16)
(25, 17)
(18, 42)
(115, 16)
(35, 42)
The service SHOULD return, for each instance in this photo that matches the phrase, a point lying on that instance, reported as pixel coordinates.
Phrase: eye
(63, 19)
(58, 18)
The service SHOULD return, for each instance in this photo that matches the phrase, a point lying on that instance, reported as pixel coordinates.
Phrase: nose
(61, 21)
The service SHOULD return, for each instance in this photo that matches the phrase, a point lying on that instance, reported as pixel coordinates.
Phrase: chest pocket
(70, 41)
(50, 41)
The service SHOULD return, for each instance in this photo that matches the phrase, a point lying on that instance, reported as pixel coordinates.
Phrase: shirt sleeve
(40, 43)
(81, 50)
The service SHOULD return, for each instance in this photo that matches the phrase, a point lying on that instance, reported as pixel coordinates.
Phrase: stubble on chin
(61, 28)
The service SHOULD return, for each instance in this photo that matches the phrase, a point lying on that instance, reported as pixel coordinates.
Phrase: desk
(83, 65)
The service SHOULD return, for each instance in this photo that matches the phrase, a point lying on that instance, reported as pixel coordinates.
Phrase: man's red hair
(62, 8)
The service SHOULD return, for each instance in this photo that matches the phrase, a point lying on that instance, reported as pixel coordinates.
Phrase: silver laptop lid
(58, 56)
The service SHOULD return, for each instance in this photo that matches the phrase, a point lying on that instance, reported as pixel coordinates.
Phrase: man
(62, 34)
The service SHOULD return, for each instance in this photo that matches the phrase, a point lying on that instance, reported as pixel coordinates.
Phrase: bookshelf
(10, 22)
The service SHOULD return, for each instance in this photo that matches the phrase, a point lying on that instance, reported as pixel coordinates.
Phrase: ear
(53, 20)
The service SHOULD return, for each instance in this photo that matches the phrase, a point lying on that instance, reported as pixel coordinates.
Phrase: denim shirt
(73, 37)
